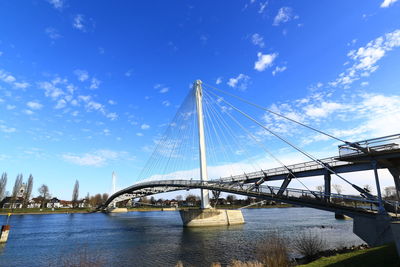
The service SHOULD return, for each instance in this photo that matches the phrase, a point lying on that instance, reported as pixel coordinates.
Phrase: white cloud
(145, 127)
(51, 90)
(323, 110)
(21, 85)
(34, 105)
(278, 69)
(52, 33)
(284, 15)
(240, 82)
(112, 116)
(139, 134)
(387, 3)
(82, 75)
(61, 104)
(6, 129)
(28, 112)
(95, 83)
(264, 61)
(97, 158)
(219, 80)
(5, 77)
(365, 58)
(166, 103)
(262, 7)
(164, 90)
(57, 4)
(78, 22)
(112, 102)
(10, 107)
(258, 40)
(129, 73)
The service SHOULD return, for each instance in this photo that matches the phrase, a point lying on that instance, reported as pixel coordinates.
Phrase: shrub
(309, 244)
(274, 252)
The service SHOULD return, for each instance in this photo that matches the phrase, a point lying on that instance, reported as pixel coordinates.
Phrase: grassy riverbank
(150, 208)
(43, 211)
(379, 256)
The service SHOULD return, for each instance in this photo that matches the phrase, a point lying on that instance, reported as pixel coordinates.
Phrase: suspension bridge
(212, 144)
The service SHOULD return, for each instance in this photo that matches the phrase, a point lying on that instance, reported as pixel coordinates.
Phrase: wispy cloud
(166, 103)
(263, 6)
(57, 4)
(264, 61)
(95, 83)
(5, 129)
(365, 58)
(82, 75)
(97, 158)
(52, 33)
(257, 40)
(34, 105)
(284, 15)
(164, 90)
(145, 126)
(219, 80)
(240, 82)
(278, 69)
(78, 22)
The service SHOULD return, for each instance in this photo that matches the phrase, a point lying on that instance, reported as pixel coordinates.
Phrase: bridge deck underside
(347, 206)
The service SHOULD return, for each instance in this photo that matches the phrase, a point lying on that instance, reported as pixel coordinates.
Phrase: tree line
(44, 193)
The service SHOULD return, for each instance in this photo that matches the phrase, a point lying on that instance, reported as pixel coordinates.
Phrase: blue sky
(86, 87)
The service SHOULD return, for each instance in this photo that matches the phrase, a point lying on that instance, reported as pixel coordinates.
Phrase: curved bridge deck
(345, 204)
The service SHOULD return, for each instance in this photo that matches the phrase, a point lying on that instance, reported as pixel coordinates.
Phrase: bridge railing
(299, 167)
(381, 144)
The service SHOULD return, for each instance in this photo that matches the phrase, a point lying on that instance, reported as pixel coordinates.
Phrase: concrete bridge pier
(375, 231)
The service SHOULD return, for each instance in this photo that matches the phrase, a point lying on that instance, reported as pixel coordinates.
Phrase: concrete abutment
(211, 217)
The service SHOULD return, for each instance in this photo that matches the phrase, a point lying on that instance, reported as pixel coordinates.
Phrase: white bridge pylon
(205, 197)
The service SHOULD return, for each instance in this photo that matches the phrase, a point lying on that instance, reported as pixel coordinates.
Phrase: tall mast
(114, 178)
(205, 199)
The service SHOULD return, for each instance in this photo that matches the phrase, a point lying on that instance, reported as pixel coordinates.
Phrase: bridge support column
(327, 191)
(378, 187)
(285, 184)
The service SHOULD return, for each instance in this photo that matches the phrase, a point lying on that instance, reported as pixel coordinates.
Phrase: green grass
(44, 211)
(373, 257)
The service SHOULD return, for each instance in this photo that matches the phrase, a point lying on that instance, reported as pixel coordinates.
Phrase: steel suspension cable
(266, 150)
(276, 113)
(292, 145)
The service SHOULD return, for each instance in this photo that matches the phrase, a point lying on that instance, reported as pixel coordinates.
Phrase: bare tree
(75, 194)
(390, 192)
(28, 191)
(3, 183)
(368, 188)
(104, 198)
(216, 195)
(16, 188)
(338, 188)
(87, 200)
(44, 193)
(231, 199)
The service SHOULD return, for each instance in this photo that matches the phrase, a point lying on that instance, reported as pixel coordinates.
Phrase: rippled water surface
(157, 238)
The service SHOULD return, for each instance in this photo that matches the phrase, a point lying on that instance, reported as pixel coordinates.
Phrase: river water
(157, 238)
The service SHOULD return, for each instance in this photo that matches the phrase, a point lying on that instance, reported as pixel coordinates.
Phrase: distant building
(53, 203)
(10, 203)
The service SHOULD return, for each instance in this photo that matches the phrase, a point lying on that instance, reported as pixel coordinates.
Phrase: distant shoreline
(69, 211)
